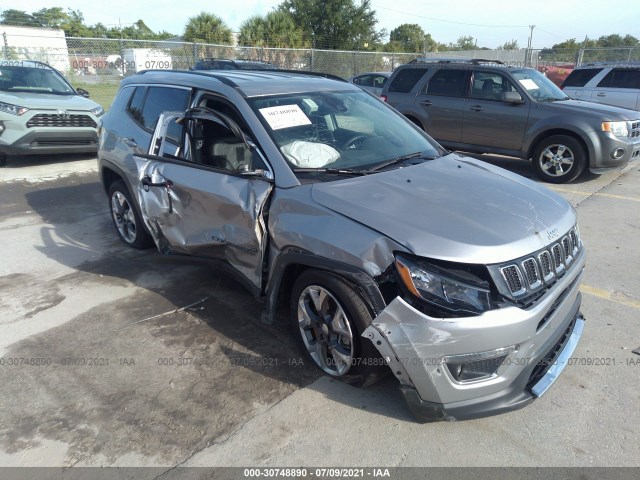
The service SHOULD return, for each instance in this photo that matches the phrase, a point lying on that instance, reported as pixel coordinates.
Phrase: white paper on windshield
(528, 84)
(284, 116)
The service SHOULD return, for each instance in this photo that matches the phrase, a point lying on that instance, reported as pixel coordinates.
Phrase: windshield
(347, 130)
(538, 86)
(38, 79)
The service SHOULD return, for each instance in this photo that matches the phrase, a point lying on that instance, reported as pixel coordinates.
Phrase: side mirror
(82, 92)
(512, 97)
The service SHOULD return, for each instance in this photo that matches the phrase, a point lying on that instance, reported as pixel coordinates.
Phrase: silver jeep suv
(486, 107)
(389, 253)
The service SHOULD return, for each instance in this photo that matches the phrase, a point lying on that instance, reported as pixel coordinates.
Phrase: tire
(126, 219)
(3, 160)
(559, 159)
(334, 346)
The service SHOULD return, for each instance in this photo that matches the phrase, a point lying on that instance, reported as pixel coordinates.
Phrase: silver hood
(48, 101)
(453, 208)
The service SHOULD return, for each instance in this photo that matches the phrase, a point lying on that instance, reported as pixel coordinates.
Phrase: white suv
(613, 84)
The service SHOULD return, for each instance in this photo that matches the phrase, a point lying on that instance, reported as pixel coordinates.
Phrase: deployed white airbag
(309, 154)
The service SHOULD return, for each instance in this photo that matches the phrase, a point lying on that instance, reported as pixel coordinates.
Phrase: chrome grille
(55, 120)
(531, 273)
(514, 279)
(558, 258)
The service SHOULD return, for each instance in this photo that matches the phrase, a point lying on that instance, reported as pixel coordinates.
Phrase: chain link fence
(98, 64)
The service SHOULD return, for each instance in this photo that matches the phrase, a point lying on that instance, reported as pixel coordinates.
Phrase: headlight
(431, 284)
(98, 111)
(619, 129)
(12, 109)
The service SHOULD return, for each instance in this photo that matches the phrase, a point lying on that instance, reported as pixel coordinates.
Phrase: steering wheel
(354, 140)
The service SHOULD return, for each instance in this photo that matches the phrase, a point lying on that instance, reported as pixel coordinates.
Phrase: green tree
(616, 40)
(276, 29)
(18, 17)
(207, 28)
(465, 43)
(54, 17)
(511, 45)
(335, 24)
(410, 37)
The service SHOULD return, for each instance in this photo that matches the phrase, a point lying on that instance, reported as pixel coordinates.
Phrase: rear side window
(621, 78)
(135, 105)
(406, 79)
(579, 78)
(450, 83)
(161, 99)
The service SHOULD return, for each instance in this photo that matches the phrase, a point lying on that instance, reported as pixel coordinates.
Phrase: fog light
(477, 366)
(617, 153)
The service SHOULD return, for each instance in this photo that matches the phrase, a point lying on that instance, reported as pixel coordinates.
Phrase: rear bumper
(528, 347)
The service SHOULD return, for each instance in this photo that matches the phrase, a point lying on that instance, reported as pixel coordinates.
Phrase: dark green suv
(487, 107)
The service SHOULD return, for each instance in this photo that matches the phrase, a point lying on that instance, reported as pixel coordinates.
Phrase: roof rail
(622, 64)
(474, 61)
(221, 74)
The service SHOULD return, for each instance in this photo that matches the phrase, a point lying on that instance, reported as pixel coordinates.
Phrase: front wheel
(328, 318)
(125, 217)
(559, 159)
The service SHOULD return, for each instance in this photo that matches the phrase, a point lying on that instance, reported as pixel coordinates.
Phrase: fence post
(194, 51)
(312, 60)
(629, 57)
(6, 45)
(580, 57)
(122, 61)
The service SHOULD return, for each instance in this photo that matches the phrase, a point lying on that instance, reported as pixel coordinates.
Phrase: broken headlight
(435, 286)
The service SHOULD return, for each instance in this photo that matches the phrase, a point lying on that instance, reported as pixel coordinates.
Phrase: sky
(504, 20)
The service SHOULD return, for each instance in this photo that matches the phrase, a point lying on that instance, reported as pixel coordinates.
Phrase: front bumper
(16, 138)
(541, 339)
(604, 160)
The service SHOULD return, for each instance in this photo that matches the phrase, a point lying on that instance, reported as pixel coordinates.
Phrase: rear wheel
(125, 217)
(559, 159)
(328, 317)
(3, 160)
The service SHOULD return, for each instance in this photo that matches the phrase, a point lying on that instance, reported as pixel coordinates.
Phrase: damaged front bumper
(513, 354)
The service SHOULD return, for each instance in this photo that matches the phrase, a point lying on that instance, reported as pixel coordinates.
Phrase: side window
(621, 78)
(162, 99)
(406, 79)
(490, 86)
(580, 77)
(363, 80)
(449, 83)
(135, 104)
(121, 101)
(379, 81)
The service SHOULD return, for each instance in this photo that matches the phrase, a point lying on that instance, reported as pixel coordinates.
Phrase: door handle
(426, 103)
(146, 183)
(130, 142)
(602, 94)
(476, 108)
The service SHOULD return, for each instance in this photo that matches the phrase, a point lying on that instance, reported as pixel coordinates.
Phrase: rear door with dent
(203, 189)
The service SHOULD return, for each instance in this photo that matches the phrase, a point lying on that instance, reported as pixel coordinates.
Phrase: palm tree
(207, 28)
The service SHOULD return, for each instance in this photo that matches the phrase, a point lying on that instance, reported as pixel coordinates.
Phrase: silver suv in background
(609, 83)
(484, 106)
(388, 252)
(41, 113)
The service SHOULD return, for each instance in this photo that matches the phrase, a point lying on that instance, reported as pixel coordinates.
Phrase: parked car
(42, 114)
(229, 64)
(371, 81)
(389, 252)
(609, 83)
(486, 107)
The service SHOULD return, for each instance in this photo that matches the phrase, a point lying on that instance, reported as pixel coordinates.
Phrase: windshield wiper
(400, 159)
(331, 171)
